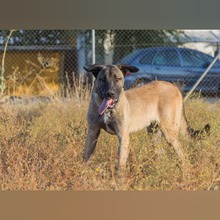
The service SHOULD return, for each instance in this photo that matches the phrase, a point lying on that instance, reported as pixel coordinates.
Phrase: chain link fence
(46, 62)
(38, 62)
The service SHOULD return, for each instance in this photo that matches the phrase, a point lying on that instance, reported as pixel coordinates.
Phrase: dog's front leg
(91, 140)
(123, 150)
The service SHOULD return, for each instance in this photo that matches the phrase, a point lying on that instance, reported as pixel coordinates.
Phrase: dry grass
(41, 146)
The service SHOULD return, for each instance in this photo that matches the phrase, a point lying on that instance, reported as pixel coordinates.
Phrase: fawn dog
(121, 112)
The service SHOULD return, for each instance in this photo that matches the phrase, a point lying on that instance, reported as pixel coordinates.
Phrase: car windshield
(191, 58)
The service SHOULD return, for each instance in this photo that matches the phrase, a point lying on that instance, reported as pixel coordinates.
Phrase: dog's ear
(126, 68)
(94, 69)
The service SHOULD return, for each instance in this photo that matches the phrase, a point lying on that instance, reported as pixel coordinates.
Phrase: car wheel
(140, 82)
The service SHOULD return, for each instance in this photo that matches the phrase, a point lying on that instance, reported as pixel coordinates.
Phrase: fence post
(81, 51)
(93, 46)
(201, 77)
(93, 53)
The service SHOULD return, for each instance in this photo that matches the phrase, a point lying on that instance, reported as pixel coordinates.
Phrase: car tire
(139, 82)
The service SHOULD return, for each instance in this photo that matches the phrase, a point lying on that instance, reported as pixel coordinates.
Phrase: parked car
(181, 66)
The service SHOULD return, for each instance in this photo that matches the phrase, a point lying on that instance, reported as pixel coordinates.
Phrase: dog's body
(122, 112)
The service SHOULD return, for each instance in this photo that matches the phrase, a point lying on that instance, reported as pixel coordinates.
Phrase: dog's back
(156, 101)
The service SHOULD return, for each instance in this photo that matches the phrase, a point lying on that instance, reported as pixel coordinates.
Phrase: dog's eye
(117, 79)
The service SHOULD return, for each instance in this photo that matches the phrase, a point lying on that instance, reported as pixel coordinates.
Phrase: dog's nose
(110, 94)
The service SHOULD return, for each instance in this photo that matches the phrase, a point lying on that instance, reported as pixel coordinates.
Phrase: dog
(121, 112)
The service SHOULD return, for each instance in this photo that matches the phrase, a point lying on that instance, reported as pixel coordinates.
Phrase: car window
(191, 58)
(147, 57)
(167, 58)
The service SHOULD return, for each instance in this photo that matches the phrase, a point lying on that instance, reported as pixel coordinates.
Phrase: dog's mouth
(107, 104)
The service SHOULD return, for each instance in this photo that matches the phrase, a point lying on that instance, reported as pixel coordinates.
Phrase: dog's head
(109, 82)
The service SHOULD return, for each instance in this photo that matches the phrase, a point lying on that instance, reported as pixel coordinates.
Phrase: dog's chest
(109, 121)
(108, 116)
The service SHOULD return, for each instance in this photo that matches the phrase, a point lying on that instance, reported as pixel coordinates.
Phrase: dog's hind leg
(172, 137)
(91, 141)
(171, 134)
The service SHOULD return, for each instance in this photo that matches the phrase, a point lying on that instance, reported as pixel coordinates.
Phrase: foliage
(38, 37)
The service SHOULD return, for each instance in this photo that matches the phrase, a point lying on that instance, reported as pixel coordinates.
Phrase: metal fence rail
(47, 61)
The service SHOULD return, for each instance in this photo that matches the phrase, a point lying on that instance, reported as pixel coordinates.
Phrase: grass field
(41, 146)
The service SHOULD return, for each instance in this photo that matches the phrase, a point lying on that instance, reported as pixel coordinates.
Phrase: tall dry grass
(41, 146)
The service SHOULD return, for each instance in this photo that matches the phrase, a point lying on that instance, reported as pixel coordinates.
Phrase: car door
(166, 65)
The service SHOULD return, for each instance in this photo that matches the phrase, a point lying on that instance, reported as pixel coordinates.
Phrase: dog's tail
(199, 133)
(186, 128)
